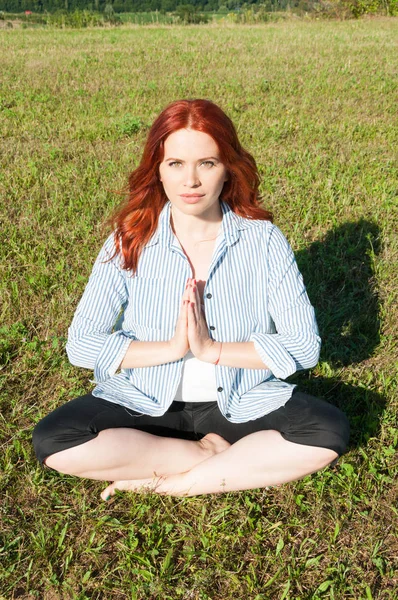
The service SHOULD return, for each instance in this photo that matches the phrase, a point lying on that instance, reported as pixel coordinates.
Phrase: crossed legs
(258, 460)
(189, 468)
(134, 459)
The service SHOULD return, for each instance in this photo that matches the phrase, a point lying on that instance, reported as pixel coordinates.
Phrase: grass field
(316, 104)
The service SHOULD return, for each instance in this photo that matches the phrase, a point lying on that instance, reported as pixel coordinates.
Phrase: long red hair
(136, 220)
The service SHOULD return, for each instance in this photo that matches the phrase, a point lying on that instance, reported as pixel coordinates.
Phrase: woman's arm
(242, 355)
(148, 354)
(296, 343)
(91, 341)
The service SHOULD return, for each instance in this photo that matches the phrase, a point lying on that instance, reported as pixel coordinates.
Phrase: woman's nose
(192, 178)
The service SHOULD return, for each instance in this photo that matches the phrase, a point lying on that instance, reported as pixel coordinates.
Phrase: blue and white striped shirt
(254, 292)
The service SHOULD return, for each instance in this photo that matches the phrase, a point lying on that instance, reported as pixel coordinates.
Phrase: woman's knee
(41, 439)
(319, 423)
(340, 431)
(345, 431)
(66, 426)
(53, 435)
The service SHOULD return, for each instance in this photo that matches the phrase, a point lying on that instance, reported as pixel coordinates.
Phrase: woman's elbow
(313, 353)
(78, 357)
(310, 353)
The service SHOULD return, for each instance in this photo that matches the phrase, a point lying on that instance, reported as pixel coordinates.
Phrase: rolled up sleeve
(296, 343)
(111, 355)
(92, 344)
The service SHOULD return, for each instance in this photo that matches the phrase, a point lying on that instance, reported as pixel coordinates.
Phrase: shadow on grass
(362, 406)
(339, 278)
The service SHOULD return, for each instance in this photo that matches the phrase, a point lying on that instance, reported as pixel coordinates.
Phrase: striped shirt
(254, 292)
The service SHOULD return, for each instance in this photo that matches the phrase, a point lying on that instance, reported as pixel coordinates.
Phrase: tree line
(197, 11)
(120, 6)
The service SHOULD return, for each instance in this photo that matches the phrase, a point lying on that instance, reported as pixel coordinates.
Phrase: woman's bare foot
(131, 485)
(211, 444)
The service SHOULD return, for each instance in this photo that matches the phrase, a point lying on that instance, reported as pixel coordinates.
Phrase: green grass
(315, 103)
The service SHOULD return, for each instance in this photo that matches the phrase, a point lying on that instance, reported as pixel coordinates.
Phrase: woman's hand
(201, 345)
(192, 330)
(179, 344)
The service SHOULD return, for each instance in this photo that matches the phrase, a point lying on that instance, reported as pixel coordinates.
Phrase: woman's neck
(195, 229)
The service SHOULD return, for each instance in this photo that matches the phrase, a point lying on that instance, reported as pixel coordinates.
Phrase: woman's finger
(197, 302)
(191, 296)
(191, 314)
(187, 293)
(194, 299)
(196, 294)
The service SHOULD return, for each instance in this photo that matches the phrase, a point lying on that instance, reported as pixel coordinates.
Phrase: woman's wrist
(174, 351)
(148, 354)
(212, 353)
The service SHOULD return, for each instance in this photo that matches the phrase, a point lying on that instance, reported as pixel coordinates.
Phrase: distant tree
(168, 5)
(109, 14)
(189, 14)
(185, 12)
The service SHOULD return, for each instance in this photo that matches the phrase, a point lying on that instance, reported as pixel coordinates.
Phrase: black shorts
(304, 420)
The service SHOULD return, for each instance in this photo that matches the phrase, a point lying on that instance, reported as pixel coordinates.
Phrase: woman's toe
(108, 492)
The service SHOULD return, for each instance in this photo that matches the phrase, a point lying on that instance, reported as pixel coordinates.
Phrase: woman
(190, 396)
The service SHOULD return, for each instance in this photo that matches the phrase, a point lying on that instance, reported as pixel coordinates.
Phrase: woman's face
(191, 172)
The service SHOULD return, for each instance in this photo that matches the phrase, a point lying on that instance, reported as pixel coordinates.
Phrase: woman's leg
(258, 460)
(300, 438)
(90, 437)
(126, 453)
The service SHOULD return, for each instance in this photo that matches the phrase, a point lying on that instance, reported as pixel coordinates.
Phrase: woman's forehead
(189, 142)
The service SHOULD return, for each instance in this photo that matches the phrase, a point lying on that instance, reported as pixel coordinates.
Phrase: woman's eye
(205, 162)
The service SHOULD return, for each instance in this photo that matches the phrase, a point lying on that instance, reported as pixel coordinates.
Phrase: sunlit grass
(315, 103)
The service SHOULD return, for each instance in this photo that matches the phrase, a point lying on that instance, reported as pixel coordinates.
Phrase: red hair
(136, 220)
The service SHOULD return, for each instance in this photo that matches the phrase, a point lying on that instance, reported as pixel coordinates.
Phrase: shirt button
(228, 415)
(212, 327)
(208, 295)
(220, 389)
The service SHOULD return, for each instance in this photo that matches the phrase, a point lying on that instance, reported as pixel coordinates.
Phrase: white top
(198, 381)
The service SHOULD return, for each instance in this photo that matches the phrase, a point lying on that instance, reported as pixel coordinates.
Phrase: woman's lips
(191, 199)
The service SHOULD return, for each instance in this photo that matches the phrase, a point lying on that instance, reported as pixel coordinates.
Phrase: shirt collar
(231, 225)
